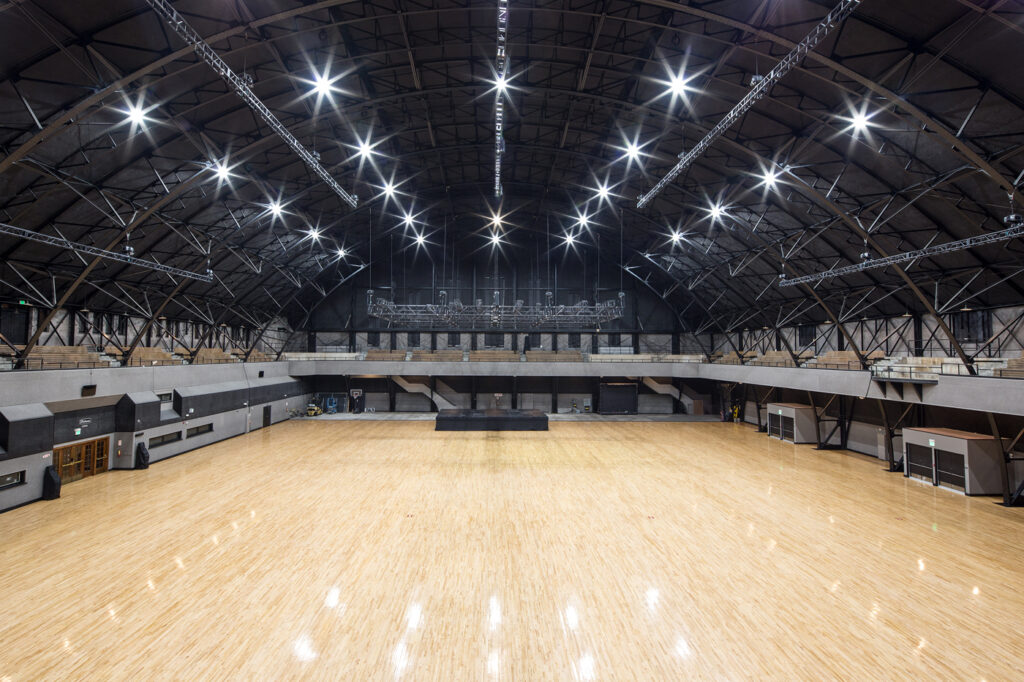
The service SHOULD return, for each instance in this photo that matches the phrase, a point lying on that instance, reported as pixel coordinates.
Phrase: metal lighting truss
(759, 90)
(500, 66)
(63, 243)
(1017, 230)
(208, 55)
(480, 315)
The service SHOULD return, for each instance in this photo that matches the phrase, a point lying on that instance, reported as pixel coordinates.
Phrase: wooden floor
(384, 550)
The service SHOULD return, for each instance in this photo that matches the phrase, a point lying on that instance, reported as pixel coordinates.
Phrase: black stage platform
(491, 420)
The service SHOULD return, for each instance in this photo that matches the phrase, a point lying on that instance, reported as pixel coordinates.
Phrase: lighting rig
(241, 87)
(124, 257)
(480, 315)
(1015, 229)
(758, 91)
(500, 67)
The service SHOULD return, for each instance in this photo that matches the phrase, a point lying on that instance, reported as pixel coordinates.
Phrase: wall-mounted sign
(931, 443)
(78, 431)
(780, 411)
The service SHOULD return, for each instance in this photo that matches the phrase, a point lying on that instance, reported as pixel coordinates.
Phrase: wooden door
(70, 463)
(82, 459)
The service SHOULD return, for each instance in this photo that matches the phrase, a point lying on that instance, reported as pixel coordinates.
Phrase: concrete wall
(58, 385)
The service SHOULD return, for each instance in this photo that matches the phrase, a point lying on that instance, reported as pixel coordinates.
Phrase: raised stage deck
(491, 420)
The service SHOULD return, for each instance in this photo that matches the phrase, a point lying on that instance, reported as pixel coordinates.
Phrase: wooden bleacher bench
(144, 356)
(386, 355)
(64, 357)
(437, 356)
(554, 356)
(493, 356)
(212, 356)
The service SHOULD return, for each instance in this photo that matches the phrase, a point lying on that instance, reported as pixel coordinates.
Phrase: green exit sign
(931, 443)
(22, 301)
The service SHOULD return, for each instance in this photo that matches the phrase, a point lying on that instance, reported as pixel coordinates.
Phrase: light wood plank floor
(384, 550)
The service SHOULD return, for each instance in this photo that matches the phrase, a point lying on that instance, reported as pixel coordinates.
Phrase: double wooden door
(82, 459)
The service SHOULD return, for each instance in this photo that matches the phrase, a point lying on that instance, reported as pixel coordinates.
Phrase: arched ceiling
(936, 163)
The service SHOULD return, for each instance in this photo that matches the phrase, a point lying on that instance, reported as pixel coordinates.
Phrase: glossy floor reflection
(385, 550)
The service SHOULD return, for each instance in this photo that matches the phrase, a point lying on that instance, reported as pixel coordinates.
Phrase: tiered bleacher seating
(150, 357)
(493, 356)
(847, 359)
(437, 355)
(64, 357)
(615, 357)
(554, 356)
(259, 356)
(212, 356)
(1014, 368)
(303, 355)
(386, 355)
(734, 358)
(774, 358)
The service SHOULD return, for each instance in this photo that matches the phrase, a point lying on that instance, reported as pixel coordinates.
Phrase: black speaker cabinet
(141, 456)
(51, 483)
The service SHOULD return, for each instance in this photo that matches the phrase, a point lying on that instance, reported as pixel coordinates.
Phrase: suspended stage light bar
(759, 90)
(500, 67)
(1017, 230)
(481, 315)
(63, 243)
(208, 55)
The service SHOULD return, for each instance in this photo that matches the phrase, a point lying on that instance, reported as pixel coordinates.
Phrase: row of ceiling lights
(322, 85)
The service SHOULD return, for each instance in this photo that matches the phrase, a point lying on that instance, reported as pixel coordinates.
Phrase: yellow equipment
(313, 410)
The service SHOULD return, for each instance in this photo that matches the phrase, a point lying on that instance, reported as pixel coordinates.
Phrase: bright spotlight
(501, 82)
(341, 253)
(678, 86)
(222, 171)
(570, 239)
(770, 179)
(389, 189)
(420, 239)
(676, 237)
(860, 122)
(407, 219)
(314, 234)
(495, 239)
(365, 149)
(716, 211)
(322, 84)
(602, 192)
(583, 219)
(632, 151)
(136, 115)
(275, 209)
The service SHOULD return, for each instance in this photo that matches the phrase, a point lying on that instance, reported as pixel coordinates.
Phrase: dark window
(574, 339)
(614, 339)
(373, 339)
(413, 339)
(11, 480)
(165, 397)
(198, 430)
(88, 390)
(972, 326)
(108, 320)
(83, 323)
(534, 340)
(805, 335)
(494, 340)
(454, 339)
(14, 324)
(157, 441)
(122, 324)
